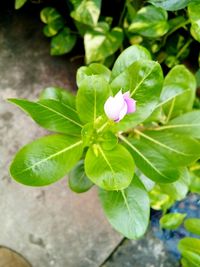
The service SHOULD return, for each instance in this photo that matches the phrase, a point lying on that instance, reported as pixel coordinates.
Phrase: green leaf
(186, 124)
(92, 69)
(86, 11)
(170, 5)
(52, 28)
(178, 92)
(52, 115)
(160, 200)
(56, 93)
(172, 221)
(181, 150)
(128, 57)
(46, 160)
(192, 225)
(144, 80)
(101, 42)
(49, 15)
(63, 42)
(194, 15)
(19, 3)
(108, 140)
(127, 210)
(178, 189)
(190, 250)
(195, 184)
(91, 96)
(78, 181)
(109, 169)
(151, 162)
(150, 22)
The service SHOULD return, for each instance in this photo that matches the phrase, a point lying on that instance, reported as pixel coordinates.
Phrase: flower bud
(118, 106)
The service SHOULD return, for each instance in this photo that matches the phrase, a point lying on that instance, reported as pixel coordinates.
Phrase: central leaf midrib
(58, 113)
(162, 145)
(50, 157)
(139, 84)
(144, 158)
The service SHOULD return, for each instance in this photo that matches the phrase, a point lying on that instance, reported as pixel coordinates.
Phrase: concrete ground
(50, 226)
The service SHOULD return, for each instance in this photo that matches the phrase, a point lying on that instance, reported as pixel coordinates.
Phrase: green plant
(132, 157)
(168, 29)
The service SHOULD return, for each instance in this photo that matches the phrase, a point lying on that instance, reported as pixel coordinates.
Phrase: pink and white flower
(118, 106)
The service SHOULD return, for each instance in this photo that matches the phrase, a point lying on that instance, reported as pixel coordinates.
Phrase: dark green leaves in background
(190, 251)
(86, 11)
(150, 22)
(194, 15)
(19, 3)
(171, 5)
(101, 42)
(63, 42)
(127, 210)
(172, 221)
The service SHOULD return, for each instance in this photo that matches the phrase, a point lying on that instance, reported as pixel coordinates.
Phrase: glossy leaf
(56, 93)
(151, 162)
(91, 96)
(179, 149)
(127, 210)
(194, 15)
(170, 5)
(128, 57)
(19, 3)
(49, 14)
(86, 11)
(93, 69)
(108, 140)
(190, 250)
(78, 181)
(160, 200)
(52, 115)
(178, 189)
(101, 42)
(150, 22)
(186, 124)
(192, 225)
(46, 160)
(178, 91)
(53, 28)
(195, 184)
(172, 221)
(144, 80)
(109, 169)
(63, 42)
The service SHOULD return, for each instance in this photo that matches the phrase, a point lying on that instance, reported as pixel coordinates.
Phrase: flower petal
(114, 105)
(131, 103)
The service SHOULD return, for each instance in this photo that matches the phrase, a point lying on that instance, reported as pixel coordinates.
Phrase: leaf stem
(174, 29)
(102, 127)
(170, 110)
(122, 14)
(126, 202)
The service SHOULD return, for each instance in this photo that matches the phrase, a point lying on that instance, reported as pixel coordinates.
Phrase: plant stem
(184, 48)
(175, 29)
(122, 14)
(170, 110)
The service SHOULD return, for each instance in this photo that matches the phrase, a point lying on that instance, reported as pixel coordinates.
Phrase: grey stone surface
(49, 226)
(146, 252)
